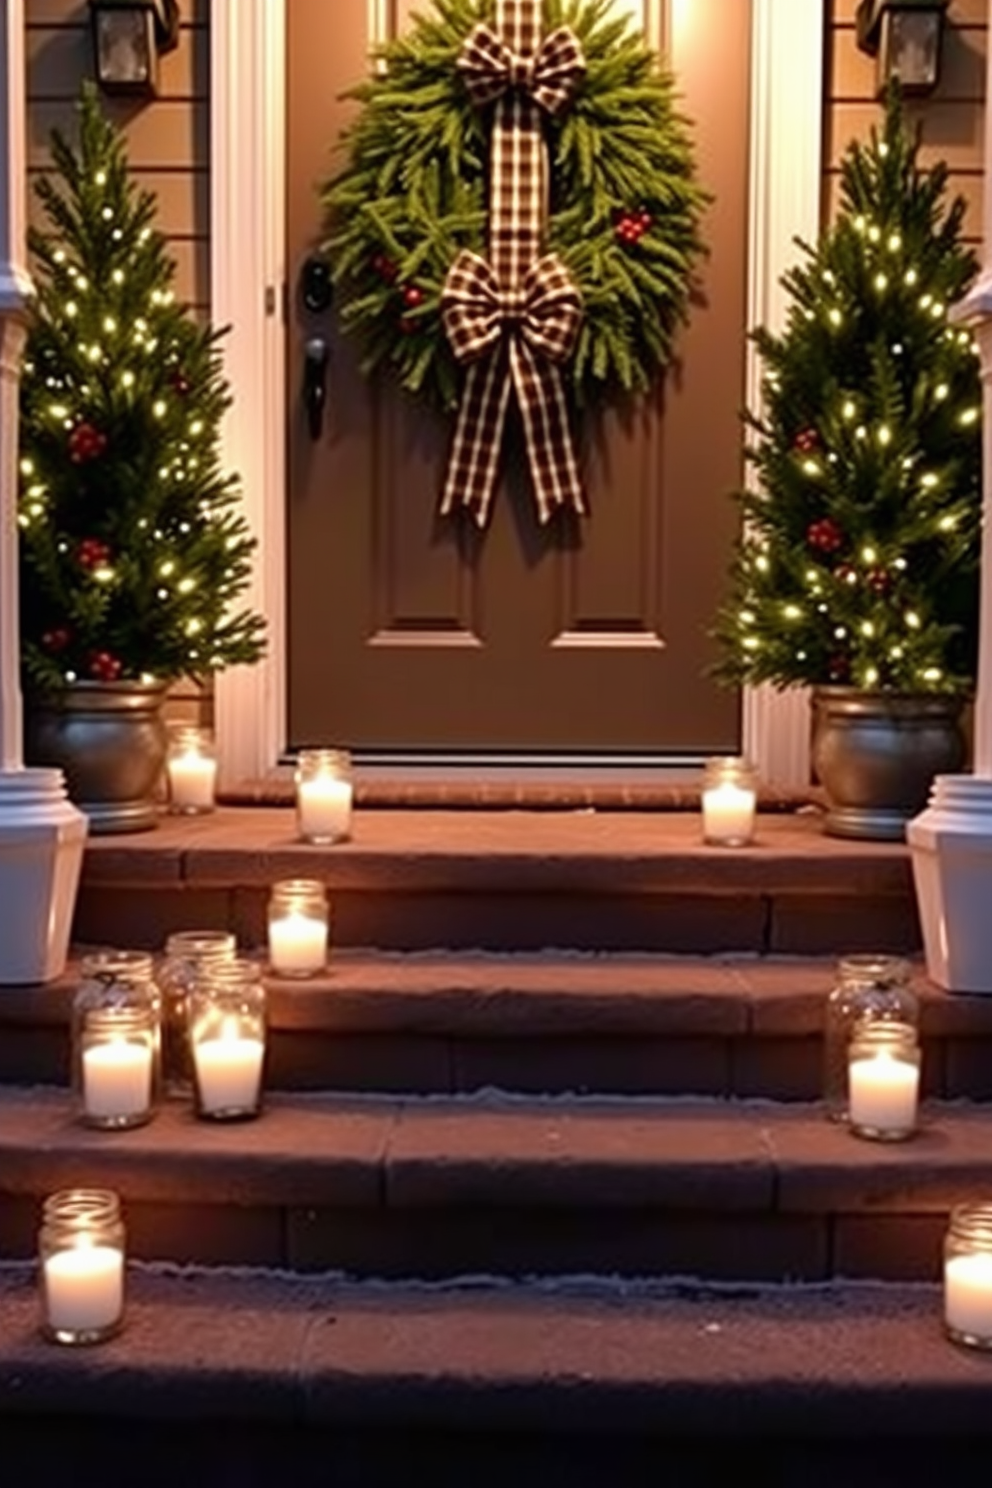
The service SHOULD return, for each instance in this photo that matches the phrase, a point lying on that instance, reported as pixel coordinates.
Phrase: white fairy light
(196, 427)
(871, 676)
(71, 309)
(929, 480)
(926, 301)
(59, 256)
(861, 432)
(27, 466)
(867, 628)
(101, 178)
(899, 563)
(910, 277)
(912, 619)
(109, 325)
(881, 281)
(810, 467)
(894, 243)
(897, 348)
(186, 586)
(127, 379)
(750, 643)
(941, 391)
(58, 411)
(163, 593)
(849, 409)
(167, 568)
(835, 316)
(884, 434)
(159, 408)
(970, 416)
(874, 233)
(792, 612)
(194, 626)
(948, 523)
(931, 674)
(840, 631)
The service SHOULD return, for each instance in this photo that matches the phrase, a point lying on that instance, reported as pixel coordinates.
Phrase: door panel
(408, 630)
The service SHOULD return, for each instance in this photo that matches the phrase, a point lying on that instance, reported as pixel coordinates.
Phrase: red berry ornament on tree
(807, 440)
(407, 326)
(412, 296)
(56, 639)
(630, 227)
(825, 535)
(86, 443)
(104, 666)
(383, 265)
(179, 383)
(91, 553)
(879, 580)
(839, 668)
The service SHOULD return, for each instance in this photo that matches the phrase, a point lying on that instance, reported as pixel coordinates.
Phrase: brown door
(412, 631)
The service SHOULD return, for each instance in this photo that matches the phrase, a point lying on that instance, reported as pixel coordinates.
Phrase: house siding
(951, 119)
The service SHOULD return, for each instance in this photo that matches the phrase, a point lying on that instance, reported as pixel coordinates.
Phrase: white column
(15, 286)
(247, 285)
(786, 131)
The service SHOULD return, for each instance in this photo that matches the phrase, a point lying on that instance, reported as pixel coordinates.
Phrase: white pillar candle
(968, 1294)
(882, 1092)
(297, 944)
(228, 1072)
(117, 1080)
(324, 806)
(84, 1288)
(192, 781)
(728, 813)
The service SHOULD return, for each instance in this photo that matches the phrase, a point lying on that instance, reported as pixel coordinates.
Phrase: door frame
(249, 293)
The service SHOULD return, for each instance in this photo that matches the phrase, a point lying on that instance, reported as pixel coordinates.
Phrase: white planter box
(42, 838)
(951, 843)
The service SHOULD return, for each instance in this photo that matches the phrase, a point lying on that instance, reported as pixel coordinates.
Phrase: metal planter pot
(876, 755)
(110, 740)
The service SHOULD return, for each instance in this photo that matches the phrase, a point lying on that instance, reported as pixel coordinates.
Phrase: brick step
(271, 1380)
(444, 1188)
(510, 880)
(554, 1022)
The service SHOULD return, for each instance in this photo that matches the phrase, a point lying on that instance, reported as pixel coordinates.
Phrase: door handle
(315, 383)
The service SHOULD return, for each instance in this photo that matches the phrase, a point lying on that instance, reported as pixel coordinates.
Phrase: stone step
(262, 1379)
(552, 1022)
(510, 880)
(445, 1188)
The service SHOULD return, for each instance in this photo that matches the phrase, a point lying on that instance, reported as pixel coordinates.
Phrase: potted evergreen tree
(132, 547)
(857, 569)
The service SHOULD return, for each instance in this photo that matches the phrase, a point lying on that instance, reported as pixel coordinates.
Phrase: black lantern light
(128, 36)
(905, 36)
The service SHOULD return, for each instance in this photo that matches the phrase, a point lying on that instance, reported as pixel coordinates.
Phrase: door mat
(524, 795)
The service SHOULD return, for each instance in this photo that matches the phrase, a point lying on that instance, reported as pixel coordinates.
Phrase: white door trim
(248, 289)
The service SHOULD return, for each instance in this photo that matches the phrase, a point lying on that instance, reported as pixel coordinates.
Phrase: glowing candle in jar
(298, 927)
(228, 1070)
(81, 1250)
(884, 1082)
(968, 1275)
(192, 771)
(729, 801)
(323, 794)
(117, 1080)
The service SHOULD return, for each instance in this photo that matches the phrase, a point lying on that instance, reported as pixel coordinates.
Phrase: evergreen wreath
(625, 206)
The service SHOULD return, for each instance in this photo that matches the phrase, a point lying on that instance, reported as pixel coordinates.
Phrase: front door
(412, 631)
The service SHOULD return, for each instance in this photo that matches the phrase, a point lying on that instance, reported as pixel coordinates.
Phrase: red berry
(57, 639)
(407, 326)
(412, 296)
(645, 221)
(806, 441)
(387, 269)
(879, 580)
(825, 535)
(838, 669)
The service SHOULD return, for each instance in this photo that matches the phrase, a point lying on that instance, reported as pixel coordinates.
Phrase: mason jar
(324, 795)
(191, 771)
(867, 989)
(226, 1011)
(729, 801)
(81, 1260)
(299, 927)
(116, 1039)
(883, 1081)
(968, 1276)
(187, 952)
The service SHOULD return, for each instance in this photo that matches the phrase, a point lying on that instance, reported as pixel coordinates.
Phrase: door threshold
(505, 767)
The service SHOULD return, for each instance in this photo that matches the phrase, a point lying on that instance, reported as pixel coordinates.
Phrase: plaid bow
(527, 332)
(522, 309)
(550, 75)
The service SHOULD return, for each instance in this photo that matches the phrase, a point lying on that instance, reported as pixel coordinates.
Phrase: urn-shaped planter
(951, 844)
(877, 753)
(111, 741)
(41, 853)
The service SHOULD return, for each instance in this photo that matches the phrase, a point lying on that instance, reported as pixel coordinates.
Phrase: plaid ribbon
(515, 319)
(526, 333)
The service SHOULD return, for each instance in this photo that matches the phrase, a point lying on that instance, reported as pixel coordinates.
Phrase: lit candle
(728, 814)
(192, 779)
(297, 943)
(324, 808)
(968, 1295)
(883, 1089)
(117, 1080)
(84, 1289)
(228, 1071)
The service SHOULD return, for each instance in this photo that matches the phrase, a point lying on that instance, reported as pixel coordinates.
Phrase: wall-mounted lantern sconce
(128, 38)
(905, 36)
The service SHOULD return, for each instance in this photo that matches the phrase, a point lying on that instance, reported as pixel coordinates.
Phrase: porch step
(272, 1380)
(445, 1188)
(510, 880)
(552, 1022)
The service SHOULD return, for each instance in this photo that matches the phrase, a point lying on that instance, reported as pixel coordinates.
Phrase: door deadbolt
(316, 286)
